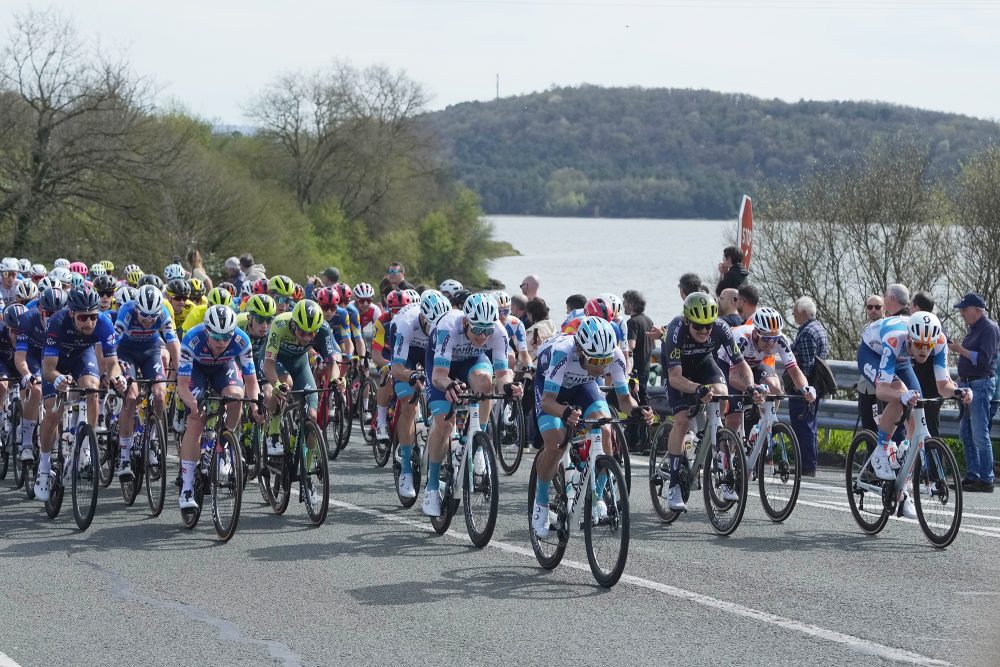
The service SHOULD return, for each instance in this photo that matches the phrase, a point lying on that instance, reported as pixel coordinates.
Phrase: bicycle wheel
(131, 486)
(108, 443)
(866, 506)
(154, 459)
(383, 451)
(397, 470)
(725, 470)
(8, 446)
(227, 485)
(86, 478)
(481, 492)
(607, 538)
(659, 474)
(191, 517)
(15, 428)
(335, 425)
(354, 381)
(779, 474)
(508, 430)
(549, 551)
(275, 478)
(448, 502)
(314, 472)
(620, 448)
(344, 423)
(56, 488)
(940, 513)
(367, 409)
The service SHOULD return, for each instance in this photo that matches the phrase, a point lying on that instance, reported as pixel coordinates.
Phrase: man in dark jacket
(731, 271)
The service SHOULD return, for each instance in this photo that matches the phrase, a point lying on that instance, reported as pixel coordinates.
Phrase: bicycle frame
(595, 438)
(905, 472)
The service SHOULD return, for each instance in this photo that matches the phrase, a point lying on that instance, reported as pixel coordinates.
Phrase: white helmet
(615, 303)
(220, 320)
(27, 290)
(434, 305)
(60, 273)
(24, 265)
(47, 282)
(130, 268)
(767, 321)
(364, 291)
(172, 272)
(924, 327)
(247, 288)
(451, 287)
(124, 294)
(481, 309)
(596, 337)
(38, 270)
(412, 294)
(503, 299)
(149, 301)
(97, 269)
(9, 264)
(62, 262)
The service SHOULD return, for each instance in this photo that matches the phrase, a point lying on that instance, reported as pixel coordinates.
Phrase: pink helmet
(79, 267)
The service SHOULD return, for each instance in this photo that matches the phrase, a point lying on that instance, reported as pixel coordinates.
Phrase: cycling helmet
(173, 271)
(220, 297)
(197, 289)
(395, 300)
(98, 270)
(924, 327)
(298, 293)
(327, 297)
(124, 294)
(481, 309)
(434, 305)
(451, 287)
(596, 337)
(461, 296)
(767, 322)
(26, 291)
(109, 266)
(133, 277)
(52, 299)
(616, 305)
(262, 305)
(149, 301)
(105, 283)
(307, 316)
(281, 285)
(38, 271)
(260, 286)
(60, 273)
(47, 282)
(129, 268)
(24, 265)
(701, 308)
(60, 263)
(503, 299)
(364, 291)
(78, 267)
(413, 295)
(9, 264)
(598, 307)
(12, 315)
(220, 320)
(246, 289)
(151, 279)
(82, 299)
(76, 280)
(345, 292)
(178, 287)
(229, 287)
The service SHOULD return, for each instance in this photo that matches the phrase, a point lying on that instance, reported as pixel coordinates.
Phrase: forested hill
(624, 152)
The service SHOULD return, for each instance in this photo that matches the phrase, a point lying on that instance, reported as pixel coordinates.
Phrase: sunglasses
(771, 339)
(262, 320)
(599, 362)
(284, 300)
(485, 330)
(504, 312)
(10, 274)
(220, 337)
(394, 272)
(83, 317)
(873, 306)
(702, 327)
(327, 309)
(106, 295)
(181, 299)
(923, 346)
(364, 301)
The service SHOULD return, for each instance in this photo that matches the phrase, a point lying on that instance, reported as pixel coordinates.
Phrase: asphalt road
(375, 586)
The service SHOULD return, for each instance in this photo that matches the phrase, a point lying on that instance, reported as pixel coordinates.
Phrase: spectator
(731, 271)
(811, 343)
(395, 278)
(747, 300)
(518, 308)
(688, 284)
(977, 356)
(529, 286)
(233, 273)
(198, 269)
(874, 311)
(574, 308)
(541, 328)
(897, 300)
(925, 372)
(638, 327)
(728, 312)
(328, 278)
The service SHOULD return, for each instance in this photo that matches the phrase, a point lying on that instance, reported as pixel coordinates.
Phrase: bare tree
(978, 204)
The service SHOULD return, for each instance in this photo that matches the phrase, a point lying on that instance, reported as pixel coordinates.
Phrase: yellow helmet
(281, 285)
(261, 305)
(197, 289)
(701, 308)
(133, 277)
(108, 265)
(308, 316)
(220, 297)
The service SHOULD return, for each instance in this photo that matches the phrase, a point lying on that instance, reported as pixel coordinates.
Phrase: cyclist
(410, 331)
(214, 355)
(71, 336)
(450, 288)
(27, 291)
(28, 360)
(688, 352)
(9, 272)
(8, 341)
(105, 286)
(568, 368)
(354, 316)
(282, 289)
(395, 301)
(515, 331)
(457, 355)
(336, 316)
(256, 320)
(178, 292)
(217, 296)
(142, 326)
(368, 311)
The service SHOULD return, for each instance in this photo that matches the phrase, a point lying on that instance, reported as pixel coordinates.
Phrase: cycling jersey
(133, 335)
(31, 333)
(195, 352)
(369, 316)
(354, 320)
(62, 339)
(409, 339)
(894, 338)
(189, 305)
(340, 324)
(451, 344)
(6, 351)
(378, 338)
(755, 357)
(389, 339)
(282, 344)
(680, 349)
(516, 333)
(258, 343)
(575, 314)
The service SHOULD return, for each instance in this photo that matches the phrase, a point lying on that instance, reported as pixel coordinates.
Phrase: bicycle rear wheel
(779, 474)
(940, 513)
(8, 447)
(620, 448)
(56, 488)
(86, 477)
(131, 486)
(728, 474)
(383, 450)
(108, 443)
(549, 551)
(191, 517)
(607, 538)
(509, 434)
(275, 477)
(15, 429)
(367, 409)
(154, 457)
(227, 485)
(659, 474)
(314, 472)
(867, 507)
(481, 492)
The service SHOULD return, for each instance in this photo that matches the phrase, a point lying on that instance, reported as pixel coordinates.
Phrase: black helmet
(82, 299)
(179, 287)
(105, 283)
(12, 315)
(151, 279)
(53, 299)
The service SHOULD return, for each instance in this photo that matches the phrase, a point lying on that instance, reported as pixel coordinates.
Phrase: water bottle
(892, 450)
(901, 453)
(572, 482)
(753, 435)
(207, 444)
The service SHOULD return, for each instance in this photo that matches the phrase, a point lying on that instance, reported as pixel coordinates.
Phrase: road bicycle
(773, 460)
(418, 457)
(74, 458)
(148, 454)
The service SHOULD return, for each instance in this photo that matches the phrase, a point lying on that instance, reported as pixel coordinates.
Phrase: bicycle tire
(383, 452)
(191, 517)
(85, 478)
(155, 443)
(15, 429)
(510, 435)
(736, 477)
(549, 552)
(608, 571)
(659, 474)
(316, 474)
(620, 448)
(367, 408)
(57, 489)
(344, 422)
(225, 474)
(946, 486)
(8, 447)
(448, 503)
(108, 443)
(782, 471)
(871, 521)
(275, 477)
(131, 487)
(486, 485)
(397, 470)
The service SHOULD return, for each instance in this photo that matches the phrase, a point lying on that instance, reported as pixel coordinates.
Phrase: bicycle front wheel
(659, 474)
(154, 456)
(86, 477)
(15, 452)
(108, 443)
(447, 493)
(368, 409)
(509, 434)
(620, 448)
(606, 522)
(481, 493)
(314, 472)
(867, 507)
(725, 483)
(550, 550)
(778, 473)
(937, 493)
(226, 477)
(397, 470)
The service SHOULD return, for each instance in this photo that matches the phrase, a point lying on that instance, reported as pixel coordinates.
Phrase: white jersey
(409, 334)
(451, 343)
(755, 357)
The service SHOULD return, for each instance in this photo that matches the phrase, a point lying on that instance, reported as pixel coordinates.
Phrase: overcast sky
(212, 56)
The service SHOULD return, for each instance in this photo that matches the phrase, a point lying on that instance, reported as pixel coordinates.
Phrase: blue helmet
(434, 305)
(12, 315)
(83, 299)
(596, 337)
(481, 309)
(52, 299)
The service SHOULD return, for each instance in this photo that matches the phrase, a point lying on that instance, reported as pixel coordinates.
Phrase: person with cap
(977, 355)
(328, 278)
(234, 273)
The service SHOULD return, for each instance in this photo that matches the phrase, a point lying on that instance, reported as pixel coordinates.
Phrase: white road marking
(7, 661)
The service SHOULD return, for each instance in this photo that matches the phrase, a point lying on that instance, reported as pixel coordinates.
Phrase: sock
(124, 444)
(405, 452)
(187, 475)
(483, 426)
(27, 429)
(602, 482)
(383, 414)
(542, 492)
(433, 475)
(882, 438)
(274, 425)
(675, 469)
(44, 464)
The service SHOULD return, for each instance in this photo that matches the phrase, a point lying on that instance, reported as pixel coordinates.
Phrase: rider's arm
(740, 375)
(270, 370)
(21, 362)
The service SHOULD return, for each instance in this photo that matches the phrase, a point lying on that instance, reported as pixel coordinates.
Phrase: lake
(594, 255)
